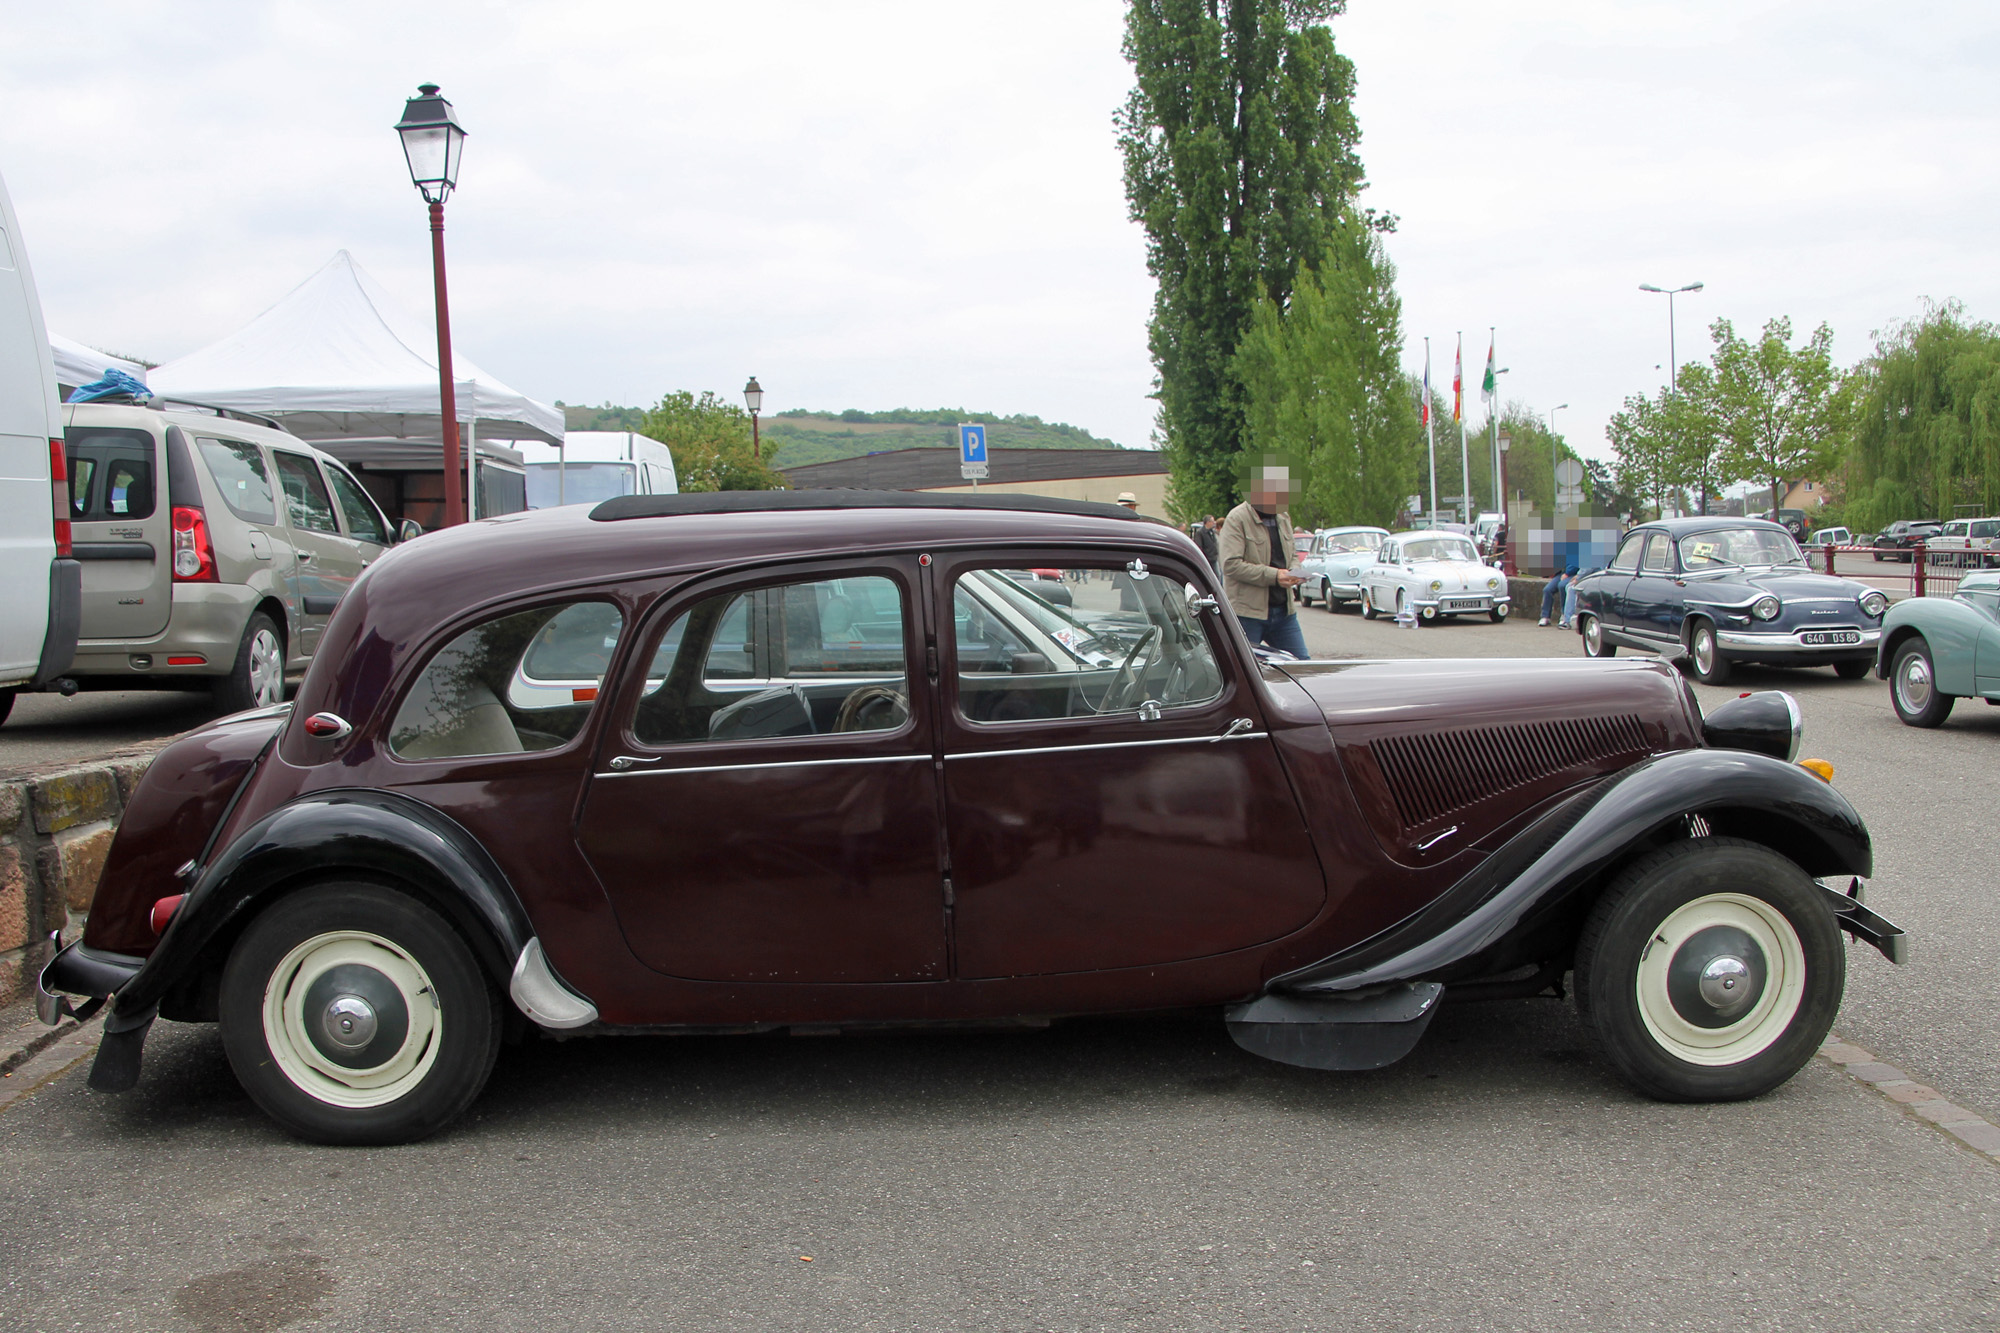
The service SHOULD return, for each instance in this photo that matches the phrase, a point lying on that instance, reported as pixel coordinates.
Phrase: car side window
(1659, 555)
(306, 500)
(799, 659)
(1627, 559)
(1122, 638)
(238, 472)
(364, 522)
(523, 681)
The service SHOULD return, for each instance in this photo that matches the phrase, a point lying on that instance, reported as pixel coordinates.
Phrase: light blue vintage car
(1332, 565)
(1937, 650)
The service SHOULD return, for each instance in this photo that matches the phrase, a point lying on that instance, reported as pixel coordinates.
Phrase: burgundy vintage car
(820, 760)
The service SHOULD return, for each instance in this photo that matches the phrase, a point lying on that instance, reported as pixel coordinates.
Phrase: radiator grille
(1434, 775)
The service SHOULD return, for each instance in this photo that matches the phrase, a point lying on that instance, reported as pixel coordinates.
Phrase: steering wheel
(1125, 681)
(873, 708)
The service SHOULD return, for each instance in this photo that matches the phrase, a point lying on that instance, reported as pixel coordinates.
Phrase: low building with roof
(1069, 474)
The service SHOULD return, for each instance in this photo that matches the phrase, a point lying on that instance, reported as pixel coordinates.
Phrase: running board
(1333, 1032)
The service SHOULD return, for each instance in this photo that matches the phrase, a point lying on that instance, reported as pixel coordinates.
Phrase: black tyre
(257, 678)
(1710, 971)
(1705, 657)
(1368, 611)
(1591, 631)
(1853, 670)
(1326, 597)
(355, 1014)
(6, 703)
(1500, 612)
(1913, 685)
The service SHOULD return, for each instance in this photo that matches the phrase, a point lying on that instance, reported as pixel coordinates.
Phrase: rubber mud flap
(116, 1068)
(1321, 1032)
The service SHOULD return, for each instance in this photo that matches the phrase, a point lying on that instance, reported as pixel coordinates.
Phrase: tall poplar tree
(1238, 139)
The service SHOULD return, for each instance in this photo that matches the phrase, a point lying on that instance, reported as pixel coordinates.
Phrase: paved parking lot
(1103, 1175)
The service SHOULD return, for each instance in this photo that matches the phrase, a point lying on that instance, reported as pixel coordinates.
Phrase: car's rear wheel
(257, 678)
(352, 1013)
(1854, 670)
(1710, 971)
(1368, 611)
(1913, 685)
(1705, 656)
(6, 703)
(1594, 642)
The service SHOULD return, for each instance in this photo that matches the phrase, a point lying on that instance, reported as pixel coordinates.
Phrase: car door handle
(305, 557)
(1236, 728)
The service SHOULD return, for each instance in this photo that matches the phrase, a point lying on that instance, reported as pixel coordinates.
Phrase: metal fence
(1924, 572)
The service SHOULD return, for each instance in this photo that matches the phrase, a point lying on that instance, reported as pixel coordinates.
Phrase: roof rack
(742, 502)
(159, 404)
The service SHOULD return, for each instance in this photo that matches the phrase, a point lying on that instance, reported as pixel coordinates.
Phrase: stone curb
(32, 1055)
(1974, 1131)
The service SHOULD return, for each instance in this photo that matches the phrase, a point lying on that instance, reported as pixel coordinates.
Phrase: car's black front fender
(1525, 903)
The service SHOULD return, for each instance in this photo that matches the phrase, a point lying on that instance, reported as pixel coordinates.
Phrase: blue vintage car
(1937, 650)
(1723, 590)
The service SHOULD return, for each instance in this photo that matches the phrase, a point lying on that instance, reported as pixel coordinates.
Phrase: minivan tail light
(194, 558)
(59, 493)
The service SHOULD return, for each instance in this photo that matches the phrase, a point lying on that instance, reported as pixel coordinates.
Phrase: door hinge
(930, 662)
(950, 894)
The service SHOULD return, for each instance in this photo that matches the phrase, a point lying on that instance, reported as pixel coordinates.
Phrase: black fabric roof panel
(743, 502)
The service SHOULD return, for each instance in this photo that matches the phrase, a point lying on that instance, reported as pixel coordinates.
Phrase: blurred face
(1270, 488)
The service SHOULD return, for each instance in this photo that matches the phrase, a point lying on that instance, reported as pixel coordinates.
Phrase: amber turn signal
(1819, 768)
(163, 912)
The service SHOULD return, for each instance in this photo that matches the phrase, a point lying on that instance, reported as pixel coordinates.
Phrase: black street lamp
(432, 142)
(753, 398)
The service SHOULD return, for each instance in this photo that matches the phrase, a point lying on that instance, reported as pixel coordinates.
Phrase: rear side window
(239, 473)
(306, 500)
(525, 681)
(111, 474)
(363, 522)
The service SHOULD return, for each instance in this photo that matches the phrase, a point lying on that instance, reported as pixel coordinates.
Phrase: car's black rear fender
(1525, 904)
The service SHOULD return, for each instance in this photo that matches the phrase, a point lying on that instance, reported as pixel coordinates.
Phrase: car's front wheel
(1594, 642)
(257, 678)
(6, 703)
(353, 1014)
(1705, 656)
(1710, 971)
(1913, 685)
(1854, 670)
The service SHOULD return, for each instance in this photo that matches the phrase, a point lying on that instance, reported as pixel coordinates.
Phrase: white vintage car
(1433, 574)
(1334, 563)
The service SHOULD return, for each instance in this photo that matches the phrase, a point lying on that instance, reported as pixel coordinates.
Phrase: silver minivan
(213, 549)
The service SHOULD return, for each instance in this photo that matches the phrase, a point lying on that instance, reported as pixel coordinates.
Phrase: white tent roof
(337, 359)
(77, 364)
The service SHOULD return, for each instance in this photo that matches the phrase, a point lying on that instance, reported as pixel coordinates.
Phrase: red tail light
(194, 558)
(59, 487)
(163, 913)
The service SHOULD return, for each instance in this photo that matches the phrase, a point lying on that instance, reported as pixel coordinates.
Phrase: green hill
(801, 436)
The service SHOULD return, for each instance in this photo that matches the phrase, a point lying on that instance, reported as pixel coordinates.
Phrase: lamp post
(432, 142)
(1555, 461)
(1673, 365)
(753, 398)
(1503, 442)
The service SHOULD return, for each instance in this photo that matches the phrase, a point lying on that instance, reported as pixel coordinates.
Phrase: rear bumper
(206, 621)
(65, 620)
(79, 970)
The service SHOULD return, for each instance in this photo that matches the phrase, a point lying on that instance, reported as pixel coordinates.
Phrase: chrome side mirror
(1197, 600)
(409, 530)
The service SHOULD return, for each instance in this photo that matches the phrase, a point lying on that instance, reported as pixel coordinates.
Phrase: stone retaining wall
(54, 833)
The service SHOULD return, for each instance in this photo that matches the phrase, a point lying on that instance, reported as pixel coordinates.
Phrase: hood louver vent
(1438, 774)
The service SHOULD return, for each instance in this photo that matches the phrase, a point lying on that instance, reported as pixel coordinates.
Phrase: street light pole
(753, 398)
(1673, 364)
(1555, 461)
(432, 142)
(1504, 442)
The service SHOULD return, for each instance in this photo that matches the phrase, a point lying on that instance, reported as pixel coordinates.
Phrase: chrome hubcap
(1724, 982)
(267, 669)
(1913, 683)
(1704, 650)
(1593, 635)
(349, 1023)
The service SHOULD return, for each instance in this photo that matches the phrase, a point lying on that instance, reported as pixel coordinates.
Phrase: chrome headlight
(1437, 585)
(1765, 608)
(1493, 584)
(1874, 603)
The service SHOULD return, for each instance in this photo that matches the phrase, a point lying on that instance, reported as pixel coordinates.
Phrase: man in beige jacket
(1257, 559)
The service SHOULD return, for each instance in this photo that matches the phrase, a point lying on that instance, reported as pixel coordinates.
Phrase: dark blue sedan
(1722, 590)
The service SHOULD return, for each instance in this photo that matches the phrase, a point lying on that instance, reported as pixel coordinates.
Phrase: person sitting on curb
(1552, 593)
(1257, 556)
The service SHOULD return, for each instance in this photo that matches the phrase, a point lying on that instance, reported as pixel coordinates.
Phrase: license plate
(1465, 604)
(1818, 637)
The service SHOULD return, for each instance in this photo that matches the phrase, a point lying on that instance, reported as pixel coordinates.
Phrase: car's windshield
(579, 483)
(1439, 548)
(1739, 546)
(1354, 541)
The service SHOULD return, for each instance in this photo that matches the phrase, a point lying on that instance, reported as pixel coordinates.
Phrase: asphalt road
(1104, 1175)
(47, 731)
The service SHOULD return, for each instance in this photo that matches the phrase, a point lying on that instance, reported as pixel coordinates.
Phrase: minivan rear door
(121, 531)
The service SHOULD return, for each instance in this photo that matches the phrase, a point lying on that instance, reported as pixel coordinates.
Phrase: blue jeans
(1569, 605)
(1552, 590)
(1280, 631)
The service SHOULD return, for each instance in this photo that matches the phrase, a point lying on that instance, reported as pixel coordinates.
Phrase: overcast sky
(878, 205)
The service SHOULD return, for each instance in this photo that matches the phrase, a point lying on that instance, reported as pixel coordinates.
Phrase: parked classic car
(1723, 590)
(1938, 650)
(770, 828)
(1433, 573)
(1333, 566)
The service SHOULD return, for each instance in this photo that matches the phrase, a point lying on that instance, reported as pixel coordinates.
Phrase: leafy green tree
(710, 440)
(1322, 385)
(1669, 446)
(1238, 139)
(1778, 408)
(1926, 421)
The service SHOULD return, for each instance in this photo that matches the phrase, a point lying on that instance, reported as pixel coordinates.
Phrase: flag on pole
(1424, 402)
(1457, 381)
(1489, 388)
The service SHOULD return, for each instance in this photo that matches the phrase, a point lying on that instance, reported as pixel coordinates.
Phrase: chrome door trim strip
(768, 763)
(1106, 745)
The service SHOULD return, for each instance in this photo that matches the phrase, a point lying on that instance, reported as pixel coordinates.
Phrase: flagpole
(1493, 413)
(1458, 410)
(1430, 435)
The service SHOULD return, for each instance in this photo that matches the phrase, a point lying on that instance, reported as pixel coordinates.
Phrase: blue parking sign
(971, 443)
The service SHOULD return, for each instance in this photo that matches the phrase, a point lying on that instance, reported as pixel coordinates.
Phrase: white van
(594, 465)
(41, 587)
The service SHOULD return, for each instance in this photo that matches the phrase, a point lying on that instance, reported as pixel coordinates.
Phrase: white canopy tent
(77, 364)
(337, 361)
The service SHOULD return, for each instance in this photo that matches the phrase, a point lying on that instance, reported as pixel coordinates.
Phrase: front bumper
(1462, 603)
(1737, 642)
